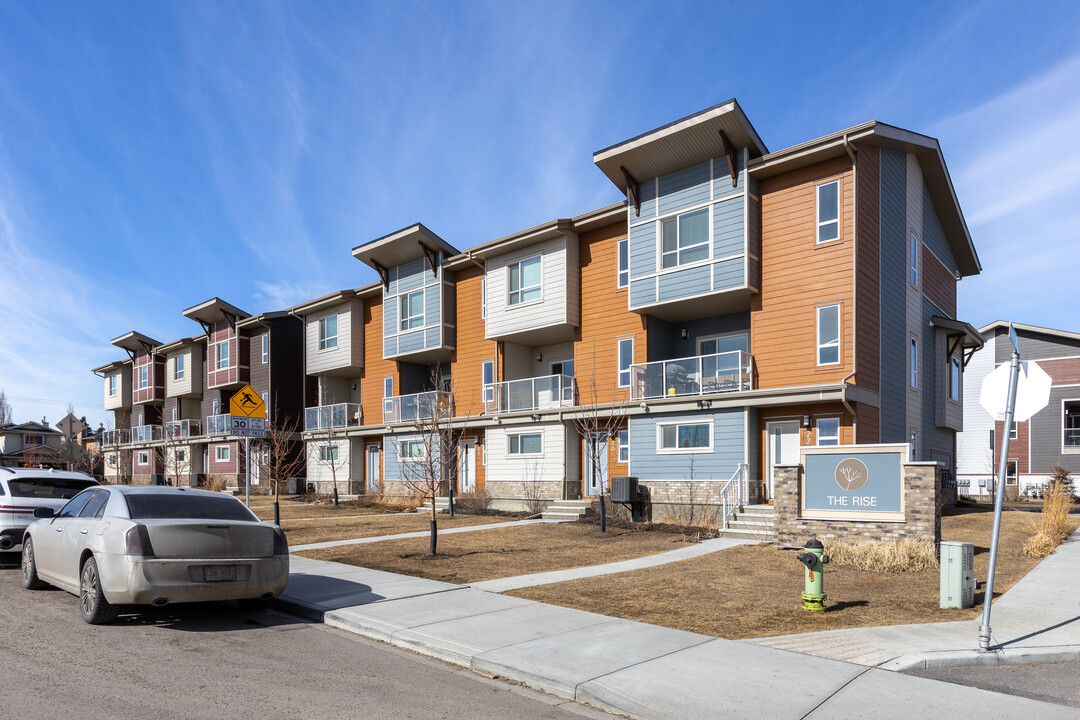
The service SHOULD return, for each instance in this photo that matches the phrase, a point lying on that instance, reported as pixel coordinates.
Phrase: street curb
(974, 658)
(300, 609)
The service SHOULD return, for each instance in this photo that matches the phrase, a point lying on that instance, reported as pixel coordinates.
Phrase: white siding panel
(549, 466)
(557, 265)
(350, 345)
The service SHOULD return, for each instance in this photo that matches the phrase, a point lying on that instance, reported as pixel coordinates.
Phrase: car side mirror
(44, 513)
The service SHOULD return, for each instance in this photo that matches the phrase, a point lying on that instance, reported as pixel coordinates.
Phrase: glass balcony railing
(701, 375)
(182, 429)
(409, 408)
(115, 437)
(538, 393)
(217, 424)
(326, 417)
(147, 433)
(1072, 437)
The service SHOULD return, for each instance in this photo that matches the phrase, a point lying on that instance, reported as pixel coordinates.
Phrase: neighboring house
(1049, 438)
(31, 445)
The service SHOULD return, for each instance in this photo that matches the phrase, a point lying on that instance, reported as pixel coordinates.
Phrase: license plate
(219, 573)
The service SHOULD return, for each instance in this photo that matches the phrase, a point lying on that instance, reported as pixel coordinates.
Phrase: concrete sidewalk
(416, 534)
(644, 671)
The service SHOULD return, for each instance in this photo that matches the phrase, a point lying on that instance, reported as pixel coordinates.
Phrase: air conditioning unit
(624, 489)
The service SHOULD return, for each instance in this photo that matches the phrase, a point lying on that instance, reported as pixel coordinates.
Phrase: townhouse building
(31, 444)
(1048, 439)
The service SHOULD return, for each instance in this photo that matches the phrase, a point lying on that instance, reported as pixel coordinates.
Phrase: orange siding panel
(466, 368)
(375, 367)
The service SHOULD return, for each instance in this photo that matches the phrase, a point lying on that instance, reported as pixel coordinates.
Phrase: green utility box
(957, 575)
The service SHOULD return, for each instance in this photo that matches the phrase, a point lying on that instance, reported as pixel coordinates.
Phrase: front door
(596, 464)
(467, 466)
(372, 469)
(782, 449)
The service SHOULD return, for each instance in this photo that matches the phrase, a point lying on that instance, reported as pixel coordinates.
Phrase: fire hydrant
(814, 558)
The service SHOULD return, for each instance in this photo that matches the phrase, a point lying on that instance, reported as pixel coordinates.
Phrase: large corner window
(828, 431)
(955, 379)
(684, 239)
(524, 281)
(328, 332)
(828, 335)
(221, 353)
(624, 263)
(626, 359)
(828, 211)
(525, 444)
(913, 362)
(684, 437)
(412, 310)
(178, 367)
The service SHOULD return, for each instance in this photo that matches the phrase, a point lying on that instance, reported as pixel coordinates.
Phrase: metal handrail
(1072, 437)
(217, 424)
(536, 393)
(181, 429)
(698, 375)
(338, 415)
(409, 408)
(734, 493)
(147, 433)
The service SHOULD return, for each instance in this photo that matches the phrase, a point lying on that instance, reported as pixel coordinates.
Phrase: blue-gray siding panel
(411, 342)
(935, 438)
(729, 273)
(894, 340)
(728, 448)
(684, 188)
(934, 235)
(431, 336)
(722, 175)
(411, 275)
(729, 227)
(1045, 434)
(642, 292)
(390, 346)
(684, 283)
(1033, 346)
(390, 315)
(648, 199)
(642, 249)
(432, 306)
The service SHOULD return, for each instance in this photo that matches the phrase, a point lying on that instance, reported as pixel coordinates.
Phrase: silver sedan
(136, 545)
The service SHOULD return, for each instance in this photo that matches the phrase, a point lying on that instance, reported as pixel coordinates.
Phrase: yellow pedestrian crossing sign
(247, 403)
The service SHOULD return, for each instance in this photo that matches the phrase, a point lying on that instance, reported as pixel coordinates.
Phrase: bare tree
(325, 440)
(117, 453)
(173, 455)
(6, 415)
(281, 456)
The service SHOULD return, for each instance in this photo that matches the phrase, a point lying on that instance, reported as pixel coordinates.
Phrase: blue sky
(154, 155)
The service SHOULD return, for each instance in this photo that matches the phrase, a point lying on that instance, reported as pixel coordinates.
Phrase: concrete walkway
(647, 671)
(1037, 620)
(417, 534)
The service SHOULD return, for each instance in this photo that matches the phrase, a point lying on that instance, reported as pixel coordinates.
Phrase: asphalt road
(1055, 683)
(215, 661)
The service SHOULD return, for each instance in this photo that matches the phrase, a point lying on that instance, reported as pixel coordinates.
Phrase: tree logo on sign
(851, 474)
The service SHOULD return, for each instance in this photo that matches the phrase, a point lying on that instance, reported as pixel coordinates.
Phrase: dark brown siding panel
(938, 283)
(867, 280)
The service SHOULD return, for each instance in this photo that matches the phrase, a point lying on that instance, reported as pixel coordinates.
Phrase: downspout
(854, 279)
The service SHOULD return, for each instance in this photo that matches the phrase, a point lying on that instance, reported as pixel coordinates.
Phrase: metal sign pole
(247, 472)
(1010, 407)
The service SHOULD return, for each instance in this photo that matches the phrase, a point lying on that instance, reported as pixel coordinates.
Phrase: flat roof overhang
(134, 341)
(214, 310)
(115, 365)
(326, 301)
(400, 247)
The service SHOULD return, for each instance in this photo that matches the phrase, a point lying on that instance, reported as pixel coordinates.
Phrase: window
(525, 444)
(222, 354)
(412, 310)
(488, 372)
(1012, 430)
(32, 440)
(214, 405)
(1010, 472)
(144, 376)
(483, 298)
(624, 446)
(563, 367)
(828, 211)
(112, 385)
(914, 260)
(388, 387)
(624, 263)
(412, 450)
(144, 457)
(181, 456)
(828, 335)
(1070, 423)
(221, 453)
(992, 434)
(524, 282)
(954, 378)
(328, 332)
(684, 239)
(328, 453)
(174, 414)
(684, 437)
(913, 362)
(178, 367)
(723, 344)
(266, 402)
(265, 348)
(626, 359)
(828, 431)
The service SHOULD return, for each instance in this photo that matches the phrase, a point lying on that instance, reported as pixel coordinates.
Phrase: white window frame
(678, 251)
(326, 340)
(1064, 426)
(913, 363)
(408, 456)
(956, 379)
(144, 457)
(388, 386)
(406, 321)
(914, 247)
(622, 262)
(1014, 430)
(266, 403)
(214, 408)
(178, 367)
(219, 356)
(831, 439)
(817, 212)
(624, 446)
(514, 297)
(489, 386)
(265, 348)
(181, 455)
(511, 437)
(661, 450)
(328, 453)
(839, 334)
(1014, 478)
(143, 371)
(618, 361)
(113, 385)
(222, 453)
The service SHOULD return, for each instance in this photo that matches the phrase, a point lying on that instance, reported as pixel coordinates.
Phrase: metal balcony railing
(538, 393)
(182, 429)
(1072, 437)
(701, 375)
(325, 417)
(217, 424)
(409, 408)
(115, 437)
(147, 433)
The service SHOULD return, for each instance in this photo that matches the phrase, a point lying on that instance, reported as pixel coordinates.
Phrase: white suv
(23, 490)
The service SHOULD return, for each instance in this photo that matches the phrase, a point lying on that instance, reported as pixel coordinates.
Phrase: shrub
(1053, 524)
(472, 501)
(1063, 476)
(904, 555)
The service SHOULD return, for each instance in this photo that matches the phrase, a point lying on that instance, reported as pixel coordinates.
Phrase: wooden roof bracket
(955, 343)
(231, 319)
(967, 357)
(633, 190)
(384, 274)
(432, 258)
(729, 151)
(148, 348)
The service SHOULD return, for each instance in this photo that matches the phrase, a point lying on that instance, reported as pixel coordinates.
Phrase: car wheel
(30, 579)
(256, 604)
(96, 610)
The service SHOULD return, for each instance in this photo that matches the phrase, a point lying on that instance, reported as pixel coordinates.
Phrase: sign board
(247, 403)
(247, 427)
(853, 482)
(1032, 391)
(70, 425)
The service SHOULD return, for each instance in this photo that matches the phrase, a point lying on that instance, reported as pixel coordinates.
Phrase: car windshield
(49, 488)
(181, 506)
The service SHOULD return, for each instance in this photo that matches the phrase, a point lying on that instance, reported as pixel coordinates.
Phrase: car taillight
(281, 545)
(137, 541)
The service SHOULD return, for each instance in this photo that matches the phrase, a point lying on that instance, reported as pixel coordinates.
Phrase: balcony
(329, 417)
(702, 375)
(538, 393)
(217, 424)
(147, 433)
(1072, 437)
(409, 408)
(182, 429)
(115, 437)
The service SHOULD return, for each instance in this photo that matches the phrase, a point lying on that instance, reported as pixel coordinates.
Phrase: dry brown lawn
(753, 590)
(302, 532)
(504, 552)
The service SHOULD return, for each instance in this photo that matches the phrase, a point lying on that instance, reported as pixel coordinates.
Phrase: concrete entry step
(442, 504)
(567, 510)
